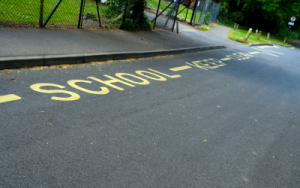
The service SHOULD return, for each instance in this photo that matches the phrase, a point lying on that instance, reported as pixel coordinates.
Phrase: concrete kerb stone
(63, 59)
(20, 62)
(124, 55)
(163, 52)
(146, 54)
(281, 45)
(97, 57)
(260, 44)
(182, 50)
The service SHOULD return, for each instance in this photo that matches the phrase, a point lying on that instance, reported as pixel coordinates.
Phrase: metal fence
(22, 13)
(194, 11)
(169, 10)
(204, 7)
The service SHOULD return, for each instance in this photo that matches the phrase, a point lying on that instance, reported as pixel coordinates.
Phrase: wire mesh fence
(171, 10)
(22, 13)
(193, 11)
(204, 7)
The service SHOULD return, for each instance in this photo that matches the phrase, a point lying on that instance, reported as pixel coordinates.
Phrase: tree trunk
(117, 18)
(128, 6)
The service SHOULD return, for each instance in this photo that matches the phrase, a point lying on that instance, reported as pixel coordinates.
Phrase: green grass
(152, 24)
(163, 4)
(20, 11)
(204, 28)
(240, 35)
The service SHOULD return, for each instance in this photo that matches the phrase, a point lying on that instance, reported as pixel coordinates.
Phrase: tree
(132, 14)
(269, 15)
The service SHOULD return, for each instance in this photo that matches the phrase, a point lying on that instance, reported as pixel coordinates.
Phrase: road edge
(31, 61)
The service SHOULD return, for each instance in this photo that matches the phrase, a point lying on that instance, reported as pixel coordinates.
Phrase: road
(220, 118)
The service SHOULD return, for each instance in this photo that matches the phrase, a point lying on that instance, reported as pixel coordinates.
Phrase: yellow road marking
(207, 64)
(271, 51)
(129, 79)
(292, 48)
(180, 68)
(8, 98)
(266, 52)
(225, 59)
(146, 74)
(144, 81)
(170, 76)
(112, 80)
(72, 83)
(73, 96)
(254, 52)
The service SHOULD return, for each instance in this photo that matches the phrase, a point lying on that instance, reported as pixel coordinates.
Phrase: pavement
(32, 47)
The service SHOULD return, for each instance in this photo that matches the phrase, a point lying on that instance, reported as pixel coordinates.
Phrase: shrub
(236, 16)
(207, 18)
(136, 19)
(293, 35)
(223, 10)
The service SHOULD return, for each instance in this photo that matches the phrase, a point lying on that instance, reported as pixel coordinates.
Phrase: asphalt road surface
(220, 118)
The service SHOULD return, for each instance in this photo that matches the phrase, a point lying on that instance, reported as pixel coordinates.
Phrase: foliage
(115, 8)
(207, 17)
(223, 10)
(293, 35)
(236, 17)
(135, 18)
(268, 15)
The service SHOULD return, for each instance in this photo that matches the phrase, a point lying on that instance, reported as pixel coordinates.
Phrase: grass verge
(238, 36)
(205, 27)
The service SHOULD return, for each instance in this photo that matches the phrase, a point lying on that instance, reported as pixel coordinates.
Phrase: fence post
(193, 14)
(247, 35)
(284, 40)
(41, 13)
(237, 27)
(156, 15)
(268, 36)
(258, 36)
